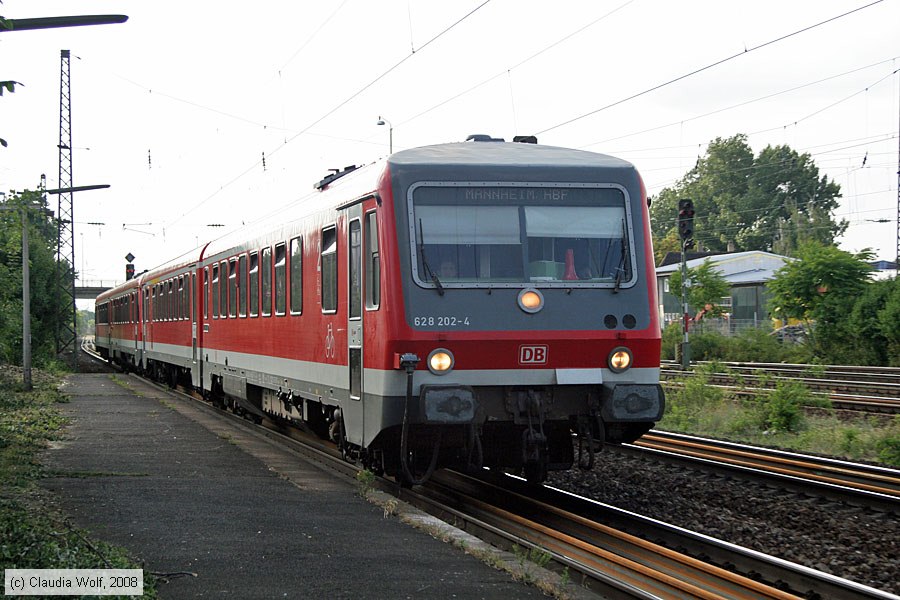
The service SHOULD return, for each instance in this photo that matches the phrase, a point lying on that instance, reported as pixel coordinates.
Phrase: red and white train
(466, 304)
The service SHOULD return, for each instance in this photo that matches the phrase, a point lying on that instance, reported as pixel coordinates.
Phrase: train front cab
(528, 299)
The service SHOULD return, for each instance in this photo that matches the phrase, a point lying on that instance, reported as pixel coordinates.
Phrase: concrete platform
(184, 491)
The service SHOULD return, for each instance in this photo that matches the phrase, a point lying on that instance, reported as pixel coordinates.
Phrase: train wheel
(171, 376)
(535, 472)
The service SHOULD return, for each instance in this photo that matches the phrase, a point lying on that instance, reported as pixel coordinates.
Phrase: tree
(705, 288)
(889, 323)
(774, 202)
(42, 252)
(821, 288)
(671, 242)
(869, 333)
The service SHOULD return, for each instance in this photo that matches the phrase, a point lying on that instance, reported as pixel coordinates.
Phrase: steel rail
(603, 555)
(876, 389)
(889, 375)
(860, 484)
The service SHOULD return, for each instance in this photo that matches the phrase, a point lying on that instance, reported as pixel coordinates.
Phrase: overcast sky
(176, 108)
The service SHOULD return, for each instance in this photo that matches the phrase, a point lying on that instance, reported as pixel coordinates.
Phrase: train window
(373, 263)
(266, 290)
(329, 269)
(192, 295)
(280, 283)
(205, 292)
(186, 298)
(215, 291)
(531, 235)
(355, 373)
(296, 276)
(254, 284)
(179, 299)
(242, 285)
(146, 305)
(223, 289)
(232, 288)
(355, 253)
(588, 242)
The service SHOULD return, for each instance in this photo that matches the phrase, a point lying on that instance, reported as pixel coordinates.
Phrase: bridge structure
(88, 290)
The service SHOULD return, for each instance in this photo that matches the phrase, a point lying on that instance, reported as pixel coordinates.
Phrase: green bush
(888, 446)
(749, 345)
(692, 404)
(671, 337)
(784, 406)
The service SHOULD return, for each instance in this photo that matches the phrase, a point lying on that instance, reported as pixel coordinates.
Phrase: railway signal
(686, 219)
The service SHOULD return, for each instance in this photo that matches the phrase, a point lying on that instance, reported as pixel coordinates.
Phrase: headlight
(440, 361)
(531, 300)
(619, 359)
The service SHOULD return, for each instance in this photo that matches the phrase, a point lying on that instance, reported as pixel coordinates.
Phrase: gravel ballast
(850, 542)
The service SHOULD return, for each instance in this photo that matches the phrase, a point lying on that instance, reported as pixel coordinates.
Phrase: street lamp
(383, 121)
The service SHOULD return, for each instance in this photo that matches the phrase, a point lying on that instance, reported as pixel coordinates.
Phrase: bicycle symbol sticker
(329, 343)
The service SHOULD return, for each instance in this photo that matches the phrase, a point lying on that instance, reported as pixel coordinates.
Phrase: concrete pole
(685, 317)
(26, 306)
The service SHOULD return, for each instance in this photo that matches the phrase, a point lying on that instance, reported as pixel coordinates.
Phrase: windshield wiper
(428, 271)
(620, 270)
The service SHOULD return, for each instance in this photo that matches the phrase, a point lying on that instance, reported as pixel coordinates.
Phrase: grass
(781, 417)
(33, 533)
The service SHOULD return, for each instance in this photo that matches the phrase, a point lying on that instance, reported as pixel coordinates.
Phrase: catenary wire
(705, 68)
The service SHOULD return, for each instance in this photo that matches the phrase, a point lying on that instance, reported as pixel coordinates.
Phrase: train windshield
(481, 235)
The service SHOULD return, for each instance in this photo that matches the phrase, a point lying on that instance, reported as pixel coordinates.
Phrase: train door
(193, 300)
(355, 318)
(145, 318)
(134, 318)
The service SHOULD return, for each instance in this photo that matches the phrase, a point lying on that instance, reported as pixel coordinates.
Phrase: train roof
(505, 154)
(120, 289)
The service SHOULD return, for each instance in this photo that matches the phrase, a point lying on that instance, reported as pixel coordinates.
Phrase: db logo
(533, 355)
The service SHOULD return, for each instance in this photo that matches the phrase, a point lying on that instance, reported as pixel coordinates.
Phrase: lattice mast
(65, 250)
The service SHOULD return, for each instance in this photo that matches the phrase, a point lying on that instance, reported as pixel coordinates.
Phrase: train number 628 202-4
(440, 321)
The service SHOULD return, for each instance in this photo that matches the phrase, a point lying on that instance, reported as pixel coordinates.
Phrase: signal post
(686, 233)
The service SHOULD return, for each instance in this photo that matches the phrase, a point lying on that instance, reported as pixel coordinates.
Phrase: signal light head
(686, 219)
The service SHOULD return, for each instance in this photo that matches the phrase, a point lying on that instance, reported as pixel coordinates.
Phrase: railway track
(621, 554)
(870, 486)
(606, 550)
(870, 389)
(826, 372)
